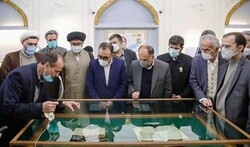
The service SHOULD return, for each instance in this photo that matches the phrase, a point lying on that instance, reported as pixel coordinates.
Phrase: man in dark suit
(204, 70)
(23, 94)
(180, 65)
(120, 52)
(233, 94)
(149, 78)
(107, 78)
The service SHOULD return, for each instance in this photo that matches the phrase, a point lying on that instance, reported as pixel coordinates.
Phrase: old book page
(160, 133)
(90, 131)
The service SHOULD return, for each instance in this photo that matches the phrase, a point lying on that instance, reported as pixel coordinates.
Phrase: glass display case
(146, 122)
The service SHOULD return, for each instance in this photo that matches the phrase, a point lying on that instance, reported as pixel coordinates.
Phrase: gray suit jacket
(46, 50)
(161, 81)
(237, 103)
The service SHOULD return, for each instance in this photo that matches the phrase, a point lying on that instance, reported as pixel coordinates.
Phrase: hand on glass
(207, 103)
(72, 105)
(135, 94)
(106, 105)
(176, 96)
(109, 104)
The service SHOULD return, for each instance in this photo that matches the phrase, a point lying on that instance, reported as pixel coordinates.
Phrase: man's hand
(49, 106)
(135, 95)
(207, 103)
(106, 105)
(176, 96)
(72, 105)
(103, 105)
(109, 104)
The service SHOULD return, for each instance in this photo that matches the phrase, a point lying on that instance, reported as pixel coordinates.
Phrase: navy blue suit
(17, 104)
(117, 84)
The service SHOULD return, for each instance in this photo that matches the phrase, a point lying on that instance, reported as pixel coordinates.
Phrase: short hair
(149, 48)
(89, 49)
(50, 32)
(246, 33)
(51, 57)
(106, 45)
(205, 32)
(124, 38)
(239, 38)
(214, 40)
(118, 36)
(175, 40)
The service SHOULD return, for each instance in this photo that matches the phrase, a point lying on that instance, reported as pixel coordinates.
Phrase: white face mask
(103, 62)
(144, 64)
(227, 53)
(246, 52)
(206, 56)
(116, 47)
(76, 49)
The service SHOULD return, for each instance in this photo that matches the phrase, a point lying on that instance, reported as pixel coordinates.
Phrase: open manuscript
(160, 133)
(90, 133)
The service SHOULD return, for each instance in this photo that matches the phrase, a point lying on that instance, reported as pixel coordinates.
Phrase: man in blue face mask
(26, 55)
(180, 65)
(51, 38)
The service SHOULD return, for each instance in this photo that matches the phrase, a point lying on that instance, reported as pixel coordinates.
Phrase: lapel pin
(181, 69)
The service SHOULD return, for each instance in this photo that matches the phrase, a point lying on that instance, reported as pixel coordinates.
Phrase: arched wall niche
(18, 10)
(232, 11)
(111, 2)
(114, 16)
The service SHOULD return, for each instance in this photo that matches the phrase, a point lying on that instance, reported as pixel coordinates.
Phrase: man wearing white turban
(26, 55)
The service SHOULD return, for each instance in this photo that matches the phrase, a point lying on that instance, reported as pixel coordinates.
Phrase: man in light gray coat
(149, 78)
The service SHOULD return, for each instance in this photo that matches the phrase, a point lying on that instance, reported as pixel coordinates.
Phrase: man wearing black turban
(76, 66)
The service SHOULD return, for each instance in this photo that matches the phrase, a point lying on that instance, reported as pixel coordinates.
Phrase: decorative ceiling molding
(151, 10)
(102, 9)
(19, 10)
(142, 2)
(230, 13)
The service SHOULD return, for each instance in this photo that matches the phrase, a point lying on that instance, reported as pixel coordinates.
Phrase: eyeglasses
(103, 57)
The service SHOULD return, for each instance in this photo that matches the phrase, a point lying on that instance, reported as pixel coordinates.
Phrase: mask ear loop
(44, 73)
(51, 115)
